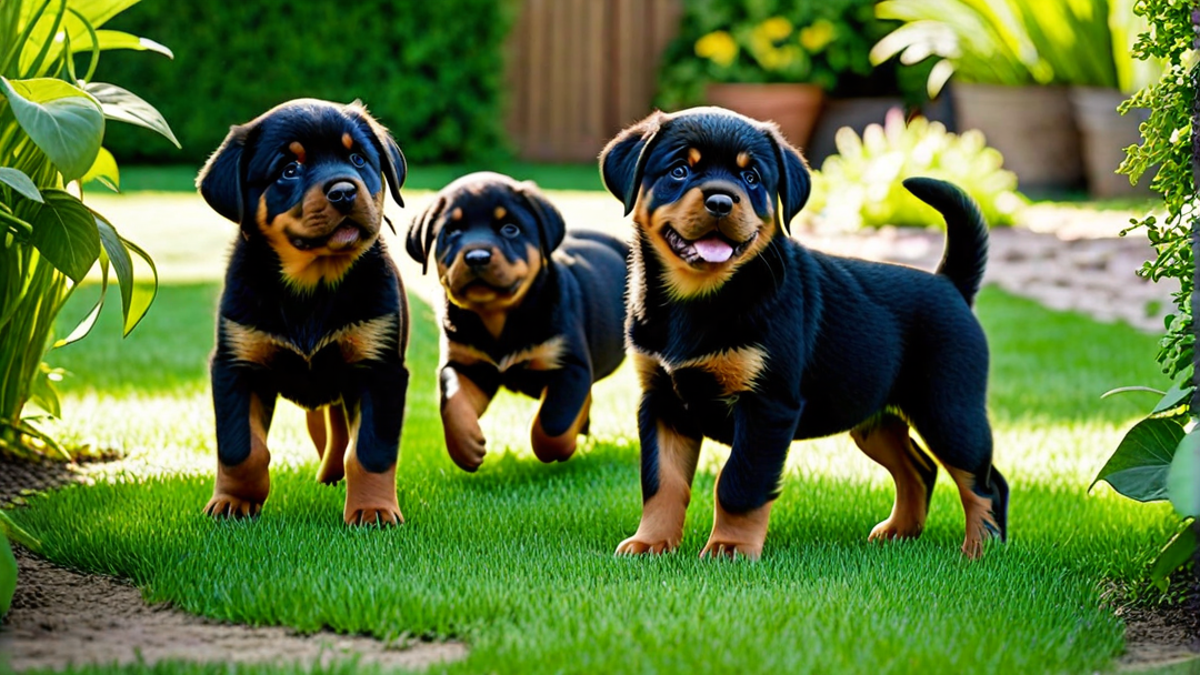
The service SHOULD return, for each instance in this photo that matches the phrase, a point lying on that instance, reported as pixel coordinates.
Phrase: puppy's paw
(641, 545)
(466, 447)
(382, 515)
(896, 528)
(228, 506)
(721, 549)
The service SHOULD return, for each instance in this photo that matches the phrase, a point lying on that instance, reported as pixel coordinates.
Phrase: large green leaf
(1138, 468)
(143, 294)
(100, 11)
(63, 120)
(42, 392)
(1183, 478)
(115, 39)
(104, 170)
(8, 575)
(17, 180)
(1175, 554)
(64, 231)
(125, 106)
(122, 262)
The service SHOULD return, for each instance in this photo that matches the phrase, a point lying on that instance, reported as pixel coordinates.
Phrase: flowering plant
(762, 41)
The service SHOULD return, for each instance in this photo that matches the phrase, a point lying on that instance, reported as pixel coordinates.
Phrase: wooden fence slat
(580, 70)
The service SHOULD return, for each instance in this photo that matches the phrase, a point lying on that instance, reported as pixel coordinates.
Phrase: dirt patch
(60, 617)
(1165, 634)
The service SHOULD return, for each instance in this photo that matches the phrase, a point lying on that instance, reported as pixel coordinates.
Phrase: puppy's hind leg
(962, 442)
(887, 441)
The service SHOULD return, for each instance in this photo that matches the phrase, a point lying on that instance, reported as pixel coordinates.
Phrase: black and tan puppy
(528, 307)
(744, 336)
(313, 309)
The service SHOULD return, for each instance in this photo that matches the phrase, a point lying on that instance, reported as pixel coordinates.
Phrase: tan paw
(466, 447)
(228, 506)
(721, 549)
(894, 528)
(640, 545)
(381, 515)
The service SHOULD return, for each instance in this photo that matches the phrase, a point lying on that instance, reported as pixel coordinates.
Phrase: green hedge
(431, 70)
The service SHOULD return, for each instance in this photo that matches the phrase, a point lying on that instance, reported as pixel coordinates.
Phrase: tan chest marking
(362, 341)
(735, 370)
(545, 356)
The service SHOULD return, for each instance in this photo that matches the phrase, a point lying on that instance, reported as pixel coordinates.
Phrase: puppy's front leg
(749, 483)
(566, 404)
(375, 418)
(243, 413)
(464, 399)
(670, 450)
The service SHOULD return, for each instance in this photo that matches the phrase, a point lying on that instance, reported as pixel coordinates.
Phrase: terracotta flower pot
(794, 107)
(1033, 127)
(1105, 133)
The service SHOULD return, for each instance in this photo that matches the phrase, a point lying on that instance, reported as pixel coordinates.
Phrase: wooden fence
(581, 70)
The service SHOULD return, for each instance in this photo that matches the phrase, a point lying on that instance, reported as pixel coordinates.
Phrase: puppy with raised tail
(313, 309)
(742, 335)
(529, 306)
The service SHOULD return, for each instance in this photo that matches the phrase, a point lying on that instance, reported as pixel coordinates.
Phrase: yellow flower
(774, 29)
(718, 47)
(814, 38)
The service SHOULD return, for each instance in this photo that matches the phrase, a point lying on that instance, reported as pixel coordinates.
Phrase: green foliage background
(432, 72)
(843, 68)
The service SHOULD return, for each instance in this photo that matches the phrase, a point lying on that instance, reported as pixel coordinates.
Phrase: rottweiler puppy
(528, 307)
(313, 308)
(742, 335)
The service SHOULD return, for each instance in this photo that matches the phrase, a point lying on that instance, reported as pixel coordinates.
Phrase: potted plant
(776, 59)
(1011, 60)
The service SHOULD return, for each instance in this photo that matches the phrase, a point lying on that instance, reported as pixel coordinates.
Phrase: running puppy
(313, 309)
(742, 335)
(527, 307)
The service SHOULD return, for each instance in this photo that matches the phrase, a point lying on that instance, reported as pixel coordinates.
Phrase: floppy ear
(794, 180)
(623, 160)
(395, 167)
(220, 181)
(422, 231)
(551, 227)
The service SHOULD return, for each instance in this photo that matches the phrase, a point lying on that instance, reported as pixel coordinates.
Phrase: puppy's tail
(966, 233)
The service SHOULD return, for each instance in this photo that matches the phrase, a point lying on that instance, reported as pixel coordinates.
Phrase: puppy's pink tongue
(344, 236)
(713, 249)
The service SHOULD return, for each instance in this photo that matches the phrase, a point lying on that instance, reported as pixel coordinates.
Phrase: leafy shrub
(1159, 458)
(1012, 42)
(431, 71)
(823, 43)
(861, 185)
(52, 122)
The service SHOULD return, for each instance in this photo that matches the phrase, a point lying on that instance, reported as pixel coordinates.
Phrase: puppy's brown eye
(509, 230)
(750, 177)
(357, 160)
(679, 172)
(290, 172)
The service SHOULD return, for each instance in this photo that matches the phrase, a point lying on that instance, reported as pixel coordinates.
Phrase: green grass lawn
(517, 559)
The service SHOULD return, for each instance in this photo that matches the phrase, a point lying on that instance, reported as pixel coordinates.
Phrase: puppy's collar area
(713, 248)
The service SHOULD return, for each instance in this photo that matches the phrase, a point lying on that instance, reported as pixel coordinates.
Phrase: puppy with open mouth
(529, 306)
(742, 335)
(313, 309)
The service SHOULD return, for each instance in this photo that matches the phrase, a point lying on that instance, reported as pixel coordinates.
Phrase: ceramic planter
(794, 107)
(1032, 126)
(1104, 135)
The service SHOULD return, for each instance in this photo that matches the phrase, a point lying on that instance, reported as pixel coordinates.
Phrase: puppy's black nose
(341, 194)
(720, 205)
(478, 257)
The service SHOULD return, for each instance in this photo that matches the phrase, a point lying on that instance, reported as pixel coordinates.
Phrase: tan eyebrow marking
(347, 141)
(297, 150)
(456, 214)
(693, 156)
(743, 160)
(500, 212)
